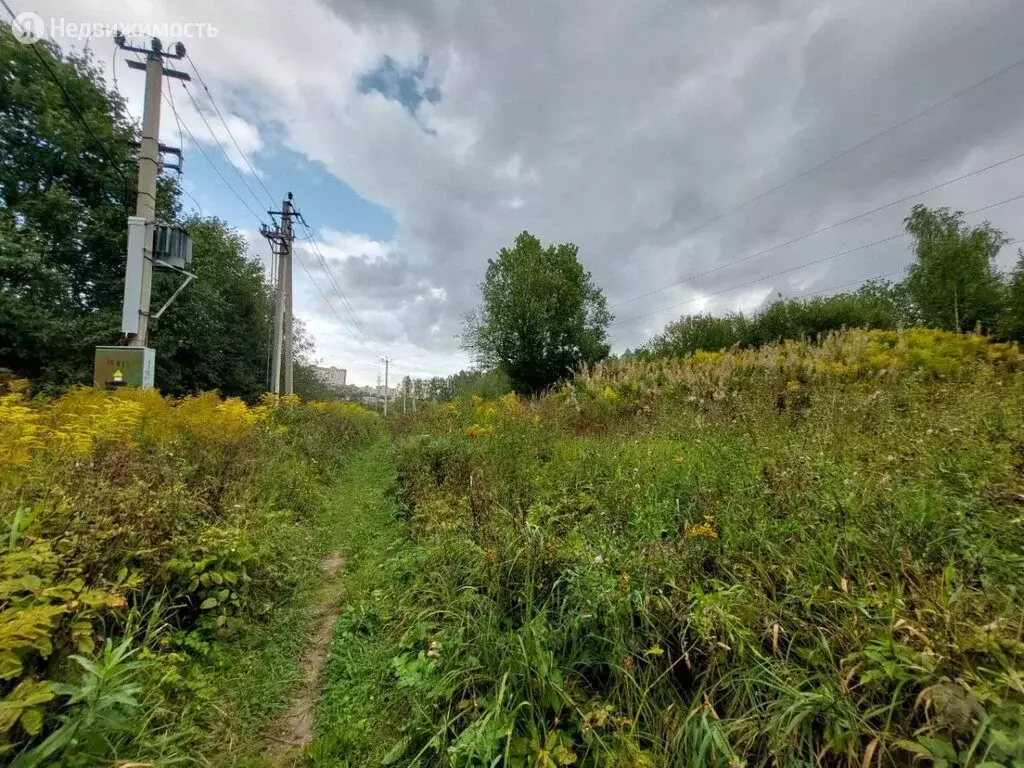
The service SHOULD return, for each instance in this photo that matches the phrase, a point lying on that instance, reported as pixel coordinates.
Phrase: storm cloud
(641, 131)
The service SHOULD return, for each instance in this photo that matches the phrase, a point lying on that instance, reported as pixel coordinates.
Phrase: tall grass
(798, 555)
(172, 525)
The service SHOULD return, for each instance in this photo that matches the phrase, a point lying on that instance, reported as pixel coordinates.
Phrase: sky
(692, 149)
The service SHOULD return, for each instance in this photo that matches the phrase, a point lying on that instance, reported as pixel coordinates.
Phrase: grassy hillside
(796, 555)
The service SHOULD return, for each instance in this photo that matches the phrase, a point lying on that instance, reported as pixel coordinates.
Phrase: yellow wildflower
(704, 530)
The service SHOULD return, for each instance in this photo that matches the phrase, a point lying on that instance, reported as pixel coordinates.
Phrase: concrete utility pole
(132, 362)
(387, 361)
(289, 337)
(138, 286)
(280, 238)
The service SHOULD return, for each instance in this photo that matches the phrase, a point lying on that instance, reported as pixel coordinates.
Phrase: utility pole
(289, 337)
(387, 361)
(280, 238)
(139, 276)
(116, 366)
(405, 395)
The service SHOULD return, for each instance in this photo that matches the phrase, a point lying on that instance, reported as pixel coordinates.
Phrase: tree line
(953, 283)
(542, 317)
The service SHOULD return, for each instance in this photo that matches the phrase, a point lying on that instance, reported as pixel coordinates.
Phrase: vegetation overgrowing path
(362, 492)
(293, 731)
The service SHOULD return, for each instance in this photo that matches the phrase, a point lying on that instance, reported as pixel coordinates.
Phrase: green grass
(357, 716)
(756, 566)
(238, 686)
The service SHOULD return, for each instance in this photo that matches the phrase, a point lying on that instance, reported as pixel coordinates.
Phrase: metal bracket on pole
(189, 277)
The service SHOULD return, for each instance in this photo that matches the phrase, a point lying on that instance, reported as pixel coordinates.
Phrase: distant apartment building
(332, 376)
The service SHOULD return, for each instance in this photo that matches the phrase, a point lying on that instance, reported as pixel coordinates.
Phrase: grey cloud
(633, 123)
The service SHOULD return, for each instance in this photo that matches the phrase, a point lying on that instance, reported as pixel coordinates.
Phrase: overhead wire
(325, 265)
(71, 102)
(310, 238)
(865, 280)
(859, 282)
(227, 128)
(820, 230)
(221, 146)
(169, 98)
(843, 153)
(798, 267)
(322, 293)
(184, 130)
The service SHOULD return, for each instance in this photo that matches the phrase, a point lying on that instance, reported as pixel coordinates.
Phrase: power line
(227, 128)
(855, 147)
(820, 230)
(863, 281)
(857, 283)
(320, 290)
(348, 307)
(169, 98)
(760, 279)
(221, 146)
(68, 100)
(330, 275)
(821, 260)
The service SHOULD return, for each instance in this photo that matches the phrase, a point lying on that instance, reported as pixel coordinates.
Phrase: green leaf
(395, 752)
(940, 748)
(31, 583)
(208, 603)
(10, 665)
(32, 721)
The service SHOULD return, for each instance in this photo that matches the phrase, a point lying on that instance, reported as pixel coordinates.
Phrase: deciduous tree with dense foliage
(65, 190)
(541, 315)
(954, 281)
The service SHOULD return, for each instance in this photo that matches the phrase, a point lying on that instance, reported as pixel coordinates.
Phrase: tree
(954, 282)
(217, 333)
(541, 316)
(702, 331)
(1013, 319)
(65, 192)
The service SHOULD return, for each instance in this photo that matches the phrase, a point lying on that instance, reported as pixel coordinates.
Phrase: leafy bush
(874, 305)
(129, 511)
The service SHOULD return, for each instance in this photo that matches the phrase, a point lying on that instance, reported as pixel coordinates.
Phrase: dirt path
(293, 731)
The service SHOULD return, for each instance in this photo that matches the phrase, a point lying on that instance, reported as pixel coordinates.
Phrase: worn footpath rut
(293, 731)
(288, 737)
